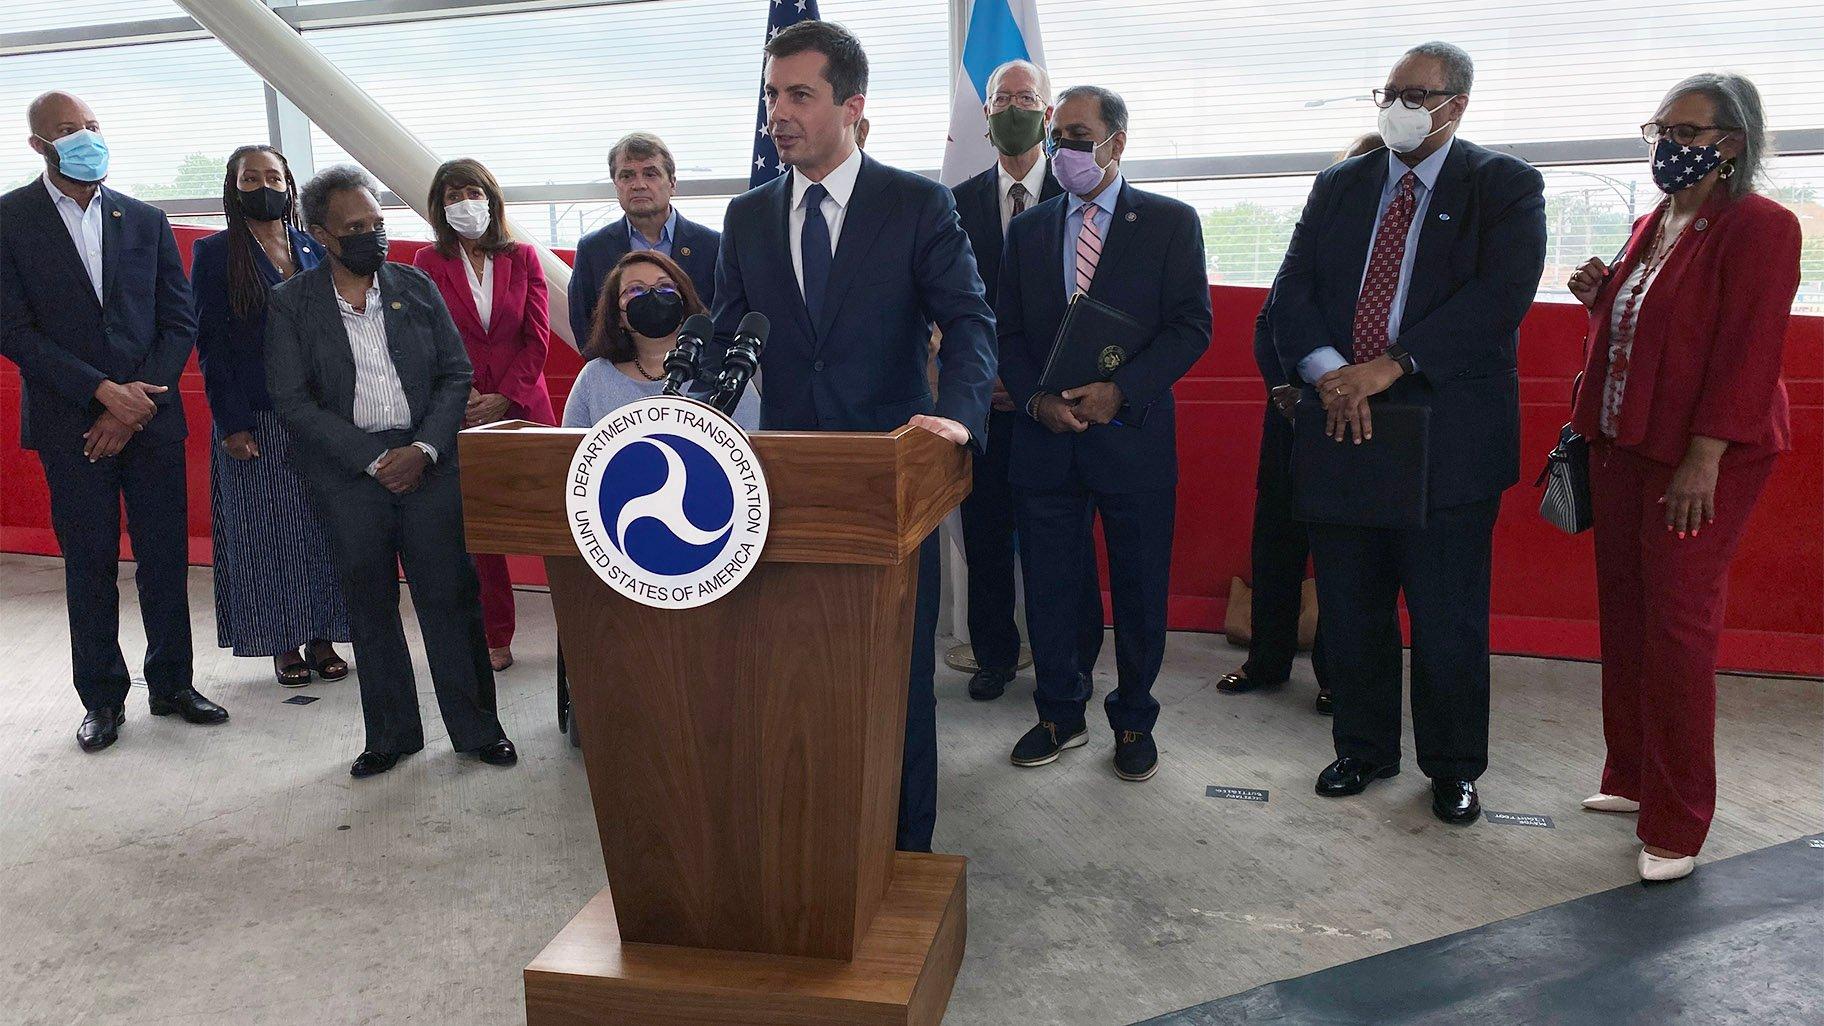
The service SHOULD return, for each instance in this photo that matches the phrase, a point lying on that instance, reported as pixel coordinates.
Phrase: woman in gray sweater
(644, 300)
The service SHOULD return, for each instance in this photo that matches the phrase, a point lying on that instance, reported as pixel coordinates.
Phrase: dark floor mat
(1741, 941)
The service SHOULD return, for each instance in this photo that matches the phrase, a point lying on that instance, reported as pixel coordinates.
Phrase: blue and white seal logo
(667, 502)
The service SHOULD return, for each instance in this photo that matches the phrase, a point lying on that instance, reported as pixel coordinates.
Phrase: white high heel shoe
(1654, 868)
(1600, 802)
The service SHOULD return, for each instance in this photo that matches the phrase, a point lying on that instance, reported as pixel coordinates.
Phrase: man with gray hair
(1018, 111)
(645, 180)
(369, 376)
(1407, 276)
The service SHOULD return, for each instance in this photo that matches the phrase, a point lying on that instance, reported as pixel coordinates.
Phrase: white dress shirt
(481, 287)
(840, 184)
(1034, 182)
(84, 227)
(1327, 359)
(380, 403)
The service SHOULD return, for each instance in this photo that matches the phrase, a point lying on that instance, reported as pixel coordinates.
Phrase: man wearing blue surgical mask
(95, 309)
(1107, 448)
(1407, 277)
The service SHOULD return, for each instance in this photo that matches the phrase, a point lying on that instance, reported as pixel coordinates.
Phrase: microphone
(741, 360)
(681, 363)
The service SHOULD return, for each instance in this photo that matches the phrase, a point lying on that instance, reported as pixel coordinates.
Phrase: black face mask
(264, 203)
(656, 314)
(363, 253)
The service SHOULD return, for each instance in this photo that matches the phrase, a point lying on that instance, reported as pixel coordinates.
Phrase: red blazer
(509, 357)
(1710, 335)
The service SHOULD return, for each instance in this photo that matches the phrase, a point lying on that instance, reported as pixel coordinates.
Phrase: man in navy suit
(1407, 275)
(95, 310)
(645, 180)
(1110, 445)
(852, 262)
(1018, 111)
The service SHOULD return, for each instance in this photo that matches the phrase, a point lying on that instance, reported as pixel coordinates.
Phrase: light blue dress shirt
(637, 242)
(1073, 224)
(1323, 361)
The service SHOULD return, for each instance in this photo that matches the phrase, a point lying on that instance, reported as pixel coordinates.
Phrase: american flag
(781, 15)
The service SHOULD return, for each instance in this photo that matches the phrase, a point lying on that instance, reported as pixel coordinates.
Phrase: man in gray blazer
(369, 377)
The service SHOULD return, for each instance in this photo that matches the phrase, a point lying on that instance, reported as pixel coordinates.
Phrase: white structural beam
(277, 53)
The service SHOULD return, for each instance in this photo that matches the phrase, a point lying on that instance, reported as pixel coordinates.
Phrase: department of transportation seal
(667, 503)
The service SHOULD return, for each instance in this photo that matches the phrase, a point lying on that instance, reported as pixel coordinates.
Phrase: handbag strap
(1577, 381)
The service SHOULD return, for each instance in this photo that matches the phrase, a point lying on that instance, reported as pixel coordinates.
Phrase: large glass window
(171, 112)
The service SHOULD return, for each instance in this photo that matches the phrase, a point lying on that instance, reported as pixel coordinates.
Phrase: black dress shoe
(100, 728)
(1323, 704)
(369, 764)
(1454, 800)
(988, 685)
(1136, 756)
(1239, 683)
(1349, 775)
(193, 707)
(500, 753)
(1042, 743)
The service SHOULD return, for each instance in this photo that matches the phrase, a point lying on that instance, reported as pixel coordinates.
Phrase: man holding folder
(1109, 445)
(1408, 274)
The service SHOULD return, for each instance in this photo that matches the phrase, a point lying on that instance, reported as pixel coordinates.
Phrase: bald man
(95, 311)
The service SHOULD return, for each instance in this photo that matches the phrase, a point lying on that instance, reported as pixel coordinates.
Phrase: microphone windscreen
(699, 327)
(754, 324)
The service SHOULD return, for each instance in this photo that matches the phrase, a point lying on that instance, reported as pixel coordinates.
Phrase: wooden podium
(744, 756)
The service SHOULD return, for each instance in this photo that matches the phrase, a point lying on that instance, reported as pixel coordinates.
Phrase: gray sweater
(600, 390)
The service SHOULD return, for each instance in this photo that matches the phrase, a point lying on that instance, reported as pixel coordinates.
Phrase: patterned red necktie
(1375, 304)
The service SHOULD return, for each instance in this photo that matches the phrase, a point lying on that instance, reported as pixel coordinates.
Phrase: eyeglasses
(1413, 98)
(1025, 101)
(1684, 135)
(633, 292)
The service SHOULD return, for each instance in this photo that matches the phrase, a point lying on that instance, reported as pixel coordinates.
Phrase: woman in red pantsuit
(1683, 402)
(496, 294)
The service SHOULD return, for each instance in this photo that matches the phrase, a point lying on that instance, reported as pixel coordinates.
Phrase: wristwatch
(1400, 356)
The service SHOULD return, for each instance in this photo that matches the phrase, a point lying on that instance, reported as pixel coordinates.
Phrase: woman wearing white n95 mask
(496, 295)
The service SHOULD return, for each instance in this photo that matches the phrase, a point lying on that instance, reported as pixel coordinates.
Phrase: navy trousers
(85, 514)
(918, 771)
(1444, 572)
(1137, 527)
(1280, 546)
(989, 542)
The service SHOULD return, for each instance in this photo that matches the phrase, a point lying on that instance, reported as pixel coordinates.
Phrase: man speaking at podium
(852, 262)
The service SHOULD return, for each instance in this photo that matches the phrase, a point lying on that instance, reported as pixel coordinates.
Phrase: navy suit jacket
(1152, 269)
(1481, 251)
(65, 342)
(902, 264)
(232, 351)
(978, 204)
(693, 247)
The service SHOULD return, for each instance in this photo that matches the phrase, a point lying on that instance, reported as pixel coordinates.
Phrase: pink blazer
(509, 357)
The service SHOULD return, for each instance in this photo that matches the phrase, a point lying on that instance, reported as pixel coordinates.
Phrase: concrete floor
(238, 875)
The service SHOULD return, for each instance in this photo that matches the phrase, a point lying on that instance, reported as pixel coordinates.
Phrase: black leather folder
(1379, 483)
(1093, 341)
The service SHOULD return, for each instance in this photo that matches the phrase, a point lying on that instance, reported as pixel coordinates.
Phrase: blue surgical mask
(82, 156)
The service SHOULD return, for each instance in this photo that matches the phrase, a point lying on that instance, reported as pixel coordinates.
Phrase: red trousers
(1661, 600)
(497, 614)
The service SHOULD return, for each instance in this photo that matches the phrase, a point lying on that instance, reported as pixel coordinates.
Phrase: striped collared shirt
(380, 403)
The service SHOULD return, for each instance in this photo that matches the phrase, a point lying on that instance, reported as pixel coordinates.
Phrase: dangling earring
(1727, 171)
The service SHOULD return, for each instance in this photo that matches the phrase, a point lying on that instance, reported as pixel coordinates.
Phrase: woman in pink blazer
(496, 294)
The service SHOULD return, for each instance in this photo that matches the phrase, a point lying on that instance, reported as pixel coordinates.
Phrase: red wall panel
(1544, 583)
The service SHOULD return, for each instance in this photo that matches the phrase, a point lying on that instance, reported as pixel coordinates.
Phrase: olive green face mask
(1016, 130)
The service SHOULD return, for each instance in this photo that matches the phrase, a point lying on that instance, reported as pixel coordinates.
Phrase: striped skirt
(275, 588)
